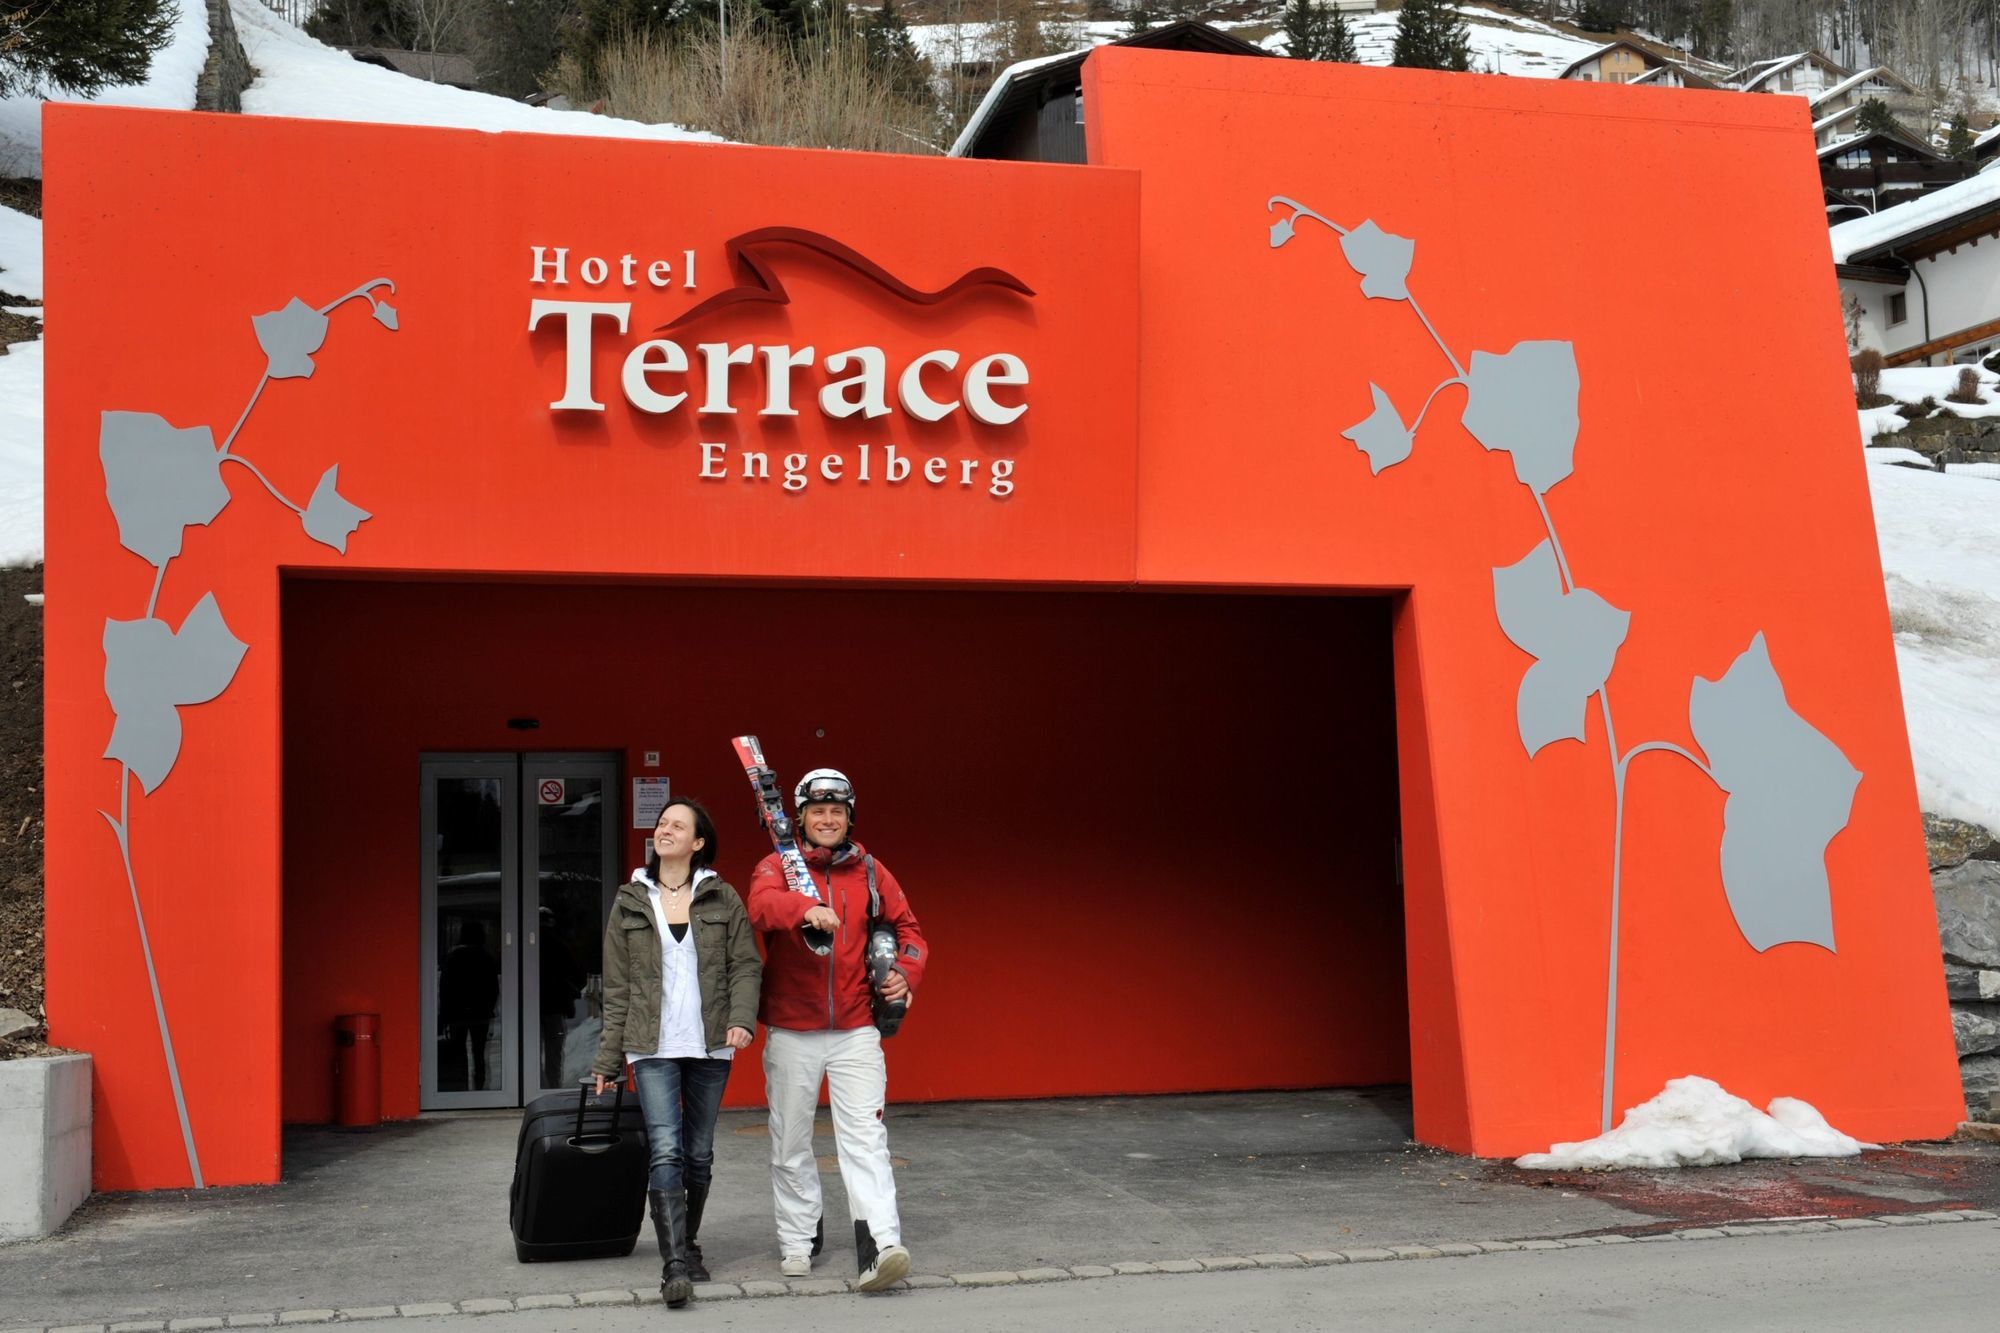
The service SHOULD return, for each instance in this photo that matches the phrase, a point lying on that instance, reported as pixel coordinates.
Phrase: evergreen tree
(80, 45)
(1305, 29)
(599, 23)
(362, 23)
(1430, 34)
(516, 42)
(893, 53)
(1338, 42)
(1138, 20)
(1958, 146)
(1600, 15)
(1874, 116)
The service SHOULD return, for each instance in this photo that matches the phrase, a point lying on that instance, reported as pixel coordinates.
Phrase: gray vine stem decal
(160, 480)
(1789, 790)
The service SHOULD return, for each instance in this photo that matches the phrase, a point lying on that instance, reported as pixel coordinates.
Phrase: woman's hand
(738, 1038)
(602, 1084)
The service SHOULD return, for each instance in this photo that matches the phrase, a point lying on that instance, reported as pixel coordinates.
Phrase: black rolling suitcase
(580, 1171)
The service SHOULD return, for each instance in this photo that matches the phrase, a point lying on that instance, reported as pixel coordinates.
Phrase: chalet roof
(1030, 83)
(1894, 136)
(1650, 60)
(1967, 207)
(432, 66)
(1688, 76)
(1881, 72)
(1759, 74)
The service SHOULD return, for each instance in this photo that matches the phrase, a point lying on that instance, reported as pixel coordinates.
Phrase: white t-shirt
(681, 1033)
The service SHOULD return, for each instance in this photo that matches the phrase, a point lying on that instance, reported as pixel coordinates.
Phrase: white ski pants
(857, 1080)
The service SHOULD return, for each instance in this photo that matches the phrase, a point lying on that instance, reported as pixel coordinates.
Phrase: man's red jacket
(809, 993)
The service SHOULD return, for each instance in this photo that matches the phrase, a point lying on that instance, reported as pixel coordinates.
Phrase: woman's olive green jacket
(725, 949)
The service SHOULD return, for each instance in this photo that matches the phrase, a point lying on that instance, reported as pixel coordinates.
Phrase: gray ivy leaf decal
(149, 670)
(158, 480)
(1383, 260)
(329, 518)
(1524, 401)
(1790, 791)
(385, 314)
(1574, 638)
(289, 337)
(1281, 231)
(1383, 436)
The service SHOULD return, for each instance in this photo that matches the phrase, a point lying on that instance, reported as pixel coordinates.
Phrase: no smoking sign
(550, 791)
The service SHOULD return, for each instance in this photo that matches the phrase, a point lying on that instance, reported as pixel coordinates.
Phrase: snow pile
(169, 84)
(297, 76)
(1940, 540)
(1880, 421)
(20, 254)
(1898, 457)
(1694, 1122)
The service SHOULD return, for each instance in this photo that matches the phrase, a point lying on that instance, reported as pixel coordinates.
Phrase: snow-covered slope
(296, 76)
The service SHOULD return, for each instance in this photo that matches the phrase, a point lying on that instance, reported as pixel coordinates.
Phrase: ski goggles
(825, 789)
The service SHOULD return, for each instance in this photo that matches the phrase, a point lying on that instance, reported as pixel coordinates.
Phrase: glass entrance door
(519, 868)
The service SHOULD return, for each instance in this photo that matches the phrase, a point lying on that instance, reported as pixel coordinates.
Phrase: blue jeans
(680, 1100)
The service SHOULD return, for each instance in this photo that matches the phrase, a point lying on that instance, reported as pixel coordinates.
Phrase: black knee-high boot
(670, 1227)
(697, 1200)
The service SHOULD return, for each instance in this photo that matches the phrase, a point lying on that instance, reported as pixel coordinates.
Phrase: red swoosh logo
(765, 287)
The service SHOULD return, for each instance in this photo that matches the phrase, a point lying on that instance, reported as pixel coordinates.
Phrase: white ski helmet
(824, 784)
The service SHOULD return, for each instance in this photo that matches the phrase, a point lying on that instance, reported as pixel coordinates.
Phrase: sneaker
(891, 1266)
(796, 1265)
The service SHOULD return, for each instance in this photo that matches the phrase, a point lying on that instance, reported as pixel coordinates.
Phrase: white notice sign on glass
(649, 797)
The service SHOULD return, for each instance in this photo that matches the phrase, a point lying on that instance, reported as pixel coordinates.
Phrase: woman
(681, 979)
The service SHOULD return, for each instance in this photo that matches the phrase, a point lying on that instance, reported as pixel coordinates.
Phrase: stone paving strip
(826, 1286)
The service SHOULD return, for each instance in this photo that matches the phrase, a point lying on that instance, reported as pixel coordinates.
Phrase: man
(818, 1012)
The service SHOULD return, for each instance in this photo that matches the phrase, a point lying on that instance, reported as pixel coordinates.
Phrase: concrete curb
(724, 1291)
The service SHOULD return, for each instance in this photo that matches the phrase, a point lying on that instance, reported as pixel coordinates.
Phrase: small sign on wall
(649, 797)
(550, 791)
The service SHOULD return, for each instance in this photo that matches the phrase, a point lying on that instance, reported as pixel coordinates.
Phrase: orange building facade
(1294, 612)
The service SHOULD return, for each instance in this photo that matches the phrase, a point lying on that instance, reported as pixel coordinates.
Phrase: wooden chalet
(1628, 62)
(1034, 111)
(1926, 282)
(1804, 74)
(1884, 168)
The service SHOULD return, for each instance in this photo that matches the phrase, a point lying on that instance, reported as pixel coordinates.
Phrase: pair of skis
(881, 952)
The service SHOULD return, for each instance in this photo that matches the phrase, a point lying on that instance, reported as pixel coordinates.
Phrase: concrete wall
(44, 1143)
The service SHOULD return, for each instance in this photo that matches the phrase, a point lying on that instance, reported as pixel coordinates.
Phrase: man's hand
(895, 986)
(738, 1038)
(602, 1084)
(823, 918)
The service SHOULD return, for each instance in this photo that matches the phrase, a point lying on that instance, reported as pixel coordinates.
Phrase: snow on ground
(20, 254)
(1897, 457)
(1940, 539)
(1877, 421)
(1694, 1122)
(21, 454)
(169, 84)
(296, 76)
(1501, 43)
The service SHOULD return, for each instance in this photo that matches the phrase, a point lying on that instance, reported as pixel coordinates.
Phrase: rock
(1971, 983)
(1976, 1028)
(1953, 842)
(1968, 909)
(13, 1021)
(1981, 1076)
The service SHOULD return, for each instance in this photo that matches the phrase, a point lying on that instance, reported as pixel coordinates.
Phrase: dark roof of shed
(1019, 90)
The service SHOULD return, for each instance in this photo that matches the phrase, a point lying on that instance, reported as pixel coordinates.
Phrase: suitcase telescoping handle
(595, 1143)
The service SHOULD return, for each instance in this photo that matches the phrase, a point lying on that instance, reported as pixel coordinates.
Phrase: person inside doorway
(820, 1025)
(681, 985)
(468, 1004)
